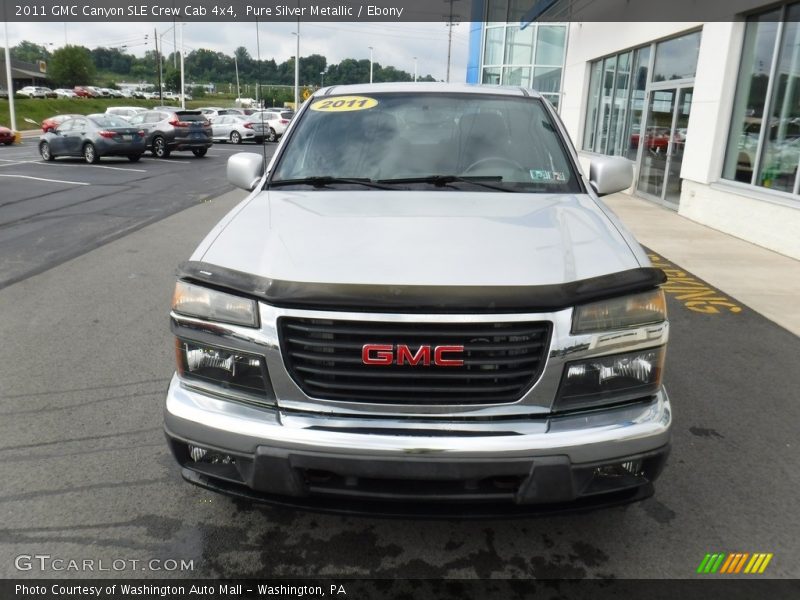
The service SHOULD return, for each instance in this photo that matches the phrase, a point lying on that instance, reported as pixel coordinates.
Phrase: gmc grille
(501, 360)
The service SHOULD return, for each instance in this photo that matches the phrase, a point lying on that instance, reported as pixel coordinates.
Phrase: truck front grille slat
(501, 361)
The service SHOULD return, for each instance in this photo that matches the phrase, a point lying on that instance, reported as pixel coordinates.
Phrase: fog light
(619, 470)
(210, 457)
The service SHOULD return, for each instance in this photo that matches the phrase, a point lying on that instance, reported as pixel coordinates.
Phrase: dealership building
(709, 112)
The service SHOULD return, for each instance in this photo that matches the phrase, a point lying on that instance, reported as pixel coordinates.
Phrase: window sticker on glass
(542, 175)
(344, 104)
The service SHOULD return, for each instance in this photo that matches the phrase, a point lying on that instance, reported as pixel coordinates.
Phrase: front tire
(160, 149)
(236, 137)
(44, 151)
(272, 137)
(90, 154)
(199, 152)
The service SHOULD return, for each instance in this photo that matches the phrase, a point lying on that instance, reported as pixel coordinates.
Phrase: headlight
(228, 369)
(196, 301)
(621, 313)
(610, 379)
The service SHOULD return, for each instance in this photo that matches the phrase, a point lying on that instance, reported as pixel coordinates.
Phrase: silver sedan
(236, 129)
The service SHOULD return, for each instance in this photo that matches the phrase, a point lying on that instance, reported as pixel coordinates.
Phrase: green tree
(71, 65)
(29, 52)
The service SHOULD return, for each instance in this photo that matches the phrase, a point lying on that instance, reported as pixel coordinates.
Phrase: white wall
(756, 215)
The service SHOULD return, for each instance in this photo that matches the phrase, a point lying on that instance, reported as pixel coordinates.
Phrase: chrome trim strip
(590, 437)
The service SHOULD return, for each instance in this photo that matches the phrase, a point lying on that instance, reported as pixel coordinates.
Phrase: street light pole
(10, 83)
(370, 63)
(183, 81)
(236, 65)
(297, 69)
(322, 79)
(415, 68)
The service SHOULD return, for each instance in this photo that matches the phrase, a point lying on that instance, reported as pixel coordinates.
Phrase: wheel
(199, 152)
(236, 137)
(90, 153)
(496, 159)
(272, 137)
(134, 157)
(160, 149)
(44, 150)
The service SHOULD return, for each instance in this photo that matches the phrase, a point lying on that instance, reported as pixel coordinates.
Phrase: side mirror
(245, 170)
(609, 174)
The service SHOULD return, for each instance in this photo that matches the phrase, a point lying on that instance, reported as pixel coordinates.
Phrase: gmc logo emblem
(388, 354)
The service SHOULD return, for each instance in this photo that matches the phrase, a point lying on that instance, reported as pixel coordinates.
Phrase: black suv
(168, 131)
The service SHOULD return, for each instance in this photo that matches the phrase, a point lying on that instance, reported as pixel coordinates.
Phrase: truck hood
(419, 238)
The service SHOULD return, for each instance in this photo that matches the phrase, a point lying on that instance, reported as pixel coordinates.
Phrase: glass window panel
(491, 75)
(751, 97)
(607, 88)
(493, 54)
(552, 99)
(547, 79)
(519, 46)
(633, 126)
(591, 106)
(616, 141)
(677, 58)
(550, 44)
(517, 76)
(497, 10)
(781, 152)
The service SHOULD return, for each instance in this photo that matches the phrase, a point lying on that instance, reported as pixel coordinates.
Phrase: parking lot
(53, 211)
(88, 262)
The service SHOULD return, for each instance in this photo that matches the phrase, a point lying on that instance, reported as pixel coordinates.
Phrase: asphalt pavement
(54, 211)
(86, 472)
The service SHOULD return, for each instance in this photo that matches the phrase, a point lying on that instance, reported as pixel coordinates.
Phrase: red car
(6, 136)
(51, 123)
(82, 92)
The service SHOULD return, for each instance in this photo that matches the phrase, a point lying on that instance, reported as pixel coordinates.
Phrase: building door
(661, 149)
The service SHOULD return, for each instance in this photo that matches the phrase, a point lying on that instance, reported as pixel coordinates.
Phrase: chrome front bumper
(547, 458)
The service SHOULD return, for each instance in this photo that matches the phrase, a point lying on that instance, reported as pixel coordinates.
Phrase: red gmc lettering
(384, 354)
(377, 354)
(404, 355)
(438, 356)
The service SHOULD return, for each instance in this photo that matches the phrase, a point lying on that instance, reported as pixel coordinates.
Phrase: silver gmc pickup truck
(422, 299)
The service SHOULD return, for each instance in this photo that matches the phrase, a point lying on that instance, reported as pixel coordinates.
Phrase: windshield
(508, 140)
(110, 121)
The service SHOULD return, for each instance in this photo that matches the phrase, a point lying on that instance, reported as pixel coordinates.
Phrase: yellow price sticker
(344, 104)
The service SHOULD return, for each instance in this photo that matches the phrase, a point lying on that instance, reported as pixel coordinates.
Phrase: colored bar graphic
(734, 562)
(766, 562)
(702, 567)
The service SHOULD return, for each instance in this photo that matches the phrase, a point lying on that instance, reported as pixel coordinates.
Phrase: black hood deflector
(423, 298)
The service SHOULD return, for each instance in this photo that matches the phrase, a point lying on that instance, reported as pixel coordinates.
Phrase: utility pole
(183, 81)
(297, 70)
(236, 64)
(10, 82)
(370, 63)
(415, 68)
(450, 25)
(158, 68)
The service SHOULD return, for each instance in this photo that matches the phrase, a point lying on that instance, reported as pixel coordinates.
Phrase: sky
(394, 44)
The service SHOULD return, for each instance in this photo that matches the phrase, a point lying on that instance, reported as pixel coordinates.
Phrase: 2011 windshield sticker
(344, 104)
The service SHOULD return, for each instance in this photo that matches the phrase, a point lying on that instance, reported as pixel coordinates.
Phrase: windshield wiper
(443, 180)
(325, 180)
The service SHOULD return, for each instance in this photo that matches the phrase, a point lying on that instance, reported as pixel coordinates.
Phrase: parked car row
(106, 134)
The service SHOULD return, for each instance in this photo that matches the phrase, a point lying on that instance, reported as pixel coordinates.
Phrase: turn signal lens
(196, 301)
(621, 313)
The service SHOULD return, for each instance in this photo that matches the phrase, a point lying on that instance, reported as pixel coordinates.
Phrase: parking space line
(55, 164)
(172, 160)
(43, 179)
(13, 163)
